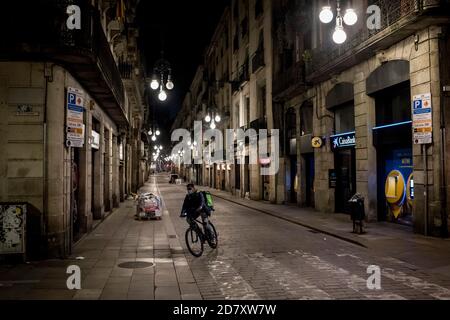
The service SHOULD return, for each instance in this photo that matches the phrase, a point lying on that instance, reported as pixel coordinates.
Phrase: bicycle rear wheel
(194, 242)
(213, 240)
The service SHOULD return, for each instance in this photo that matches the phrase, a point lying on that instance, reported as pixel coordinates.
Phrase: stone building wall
(36, 165)
(424, 78)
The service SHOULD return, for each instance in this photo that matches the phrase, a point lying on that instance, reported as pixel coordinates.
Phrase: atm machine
(395, 173)
(399, 185)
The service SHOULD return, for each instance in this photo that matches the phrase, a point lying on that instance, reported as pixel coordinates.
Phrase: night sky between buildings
(182, 29)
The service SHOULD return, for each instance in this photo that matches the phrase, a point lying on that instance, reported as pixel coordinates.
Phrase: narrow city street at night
(260, 257)
(225, 159)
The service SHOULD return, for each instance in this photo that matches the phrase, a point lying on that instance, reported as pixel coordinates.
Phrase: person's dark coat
(192, 203)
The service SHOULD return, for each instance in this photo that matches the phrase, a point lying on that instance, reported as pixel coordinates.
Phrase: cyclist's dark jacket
(192, 202)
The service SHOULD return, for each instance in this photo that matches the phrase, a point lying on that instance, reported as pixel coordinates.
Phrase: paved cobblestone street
(262, 257)
(259, 257)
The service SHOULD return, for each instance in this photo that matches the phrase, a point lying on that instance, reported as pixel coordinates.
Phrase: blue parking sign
(72, 98)
(417, 104)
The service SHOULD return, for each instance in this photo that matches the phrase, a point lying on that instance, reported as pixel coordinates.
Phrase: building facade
(358, 100)
(237, 85)
(71, 115)
(352, 116)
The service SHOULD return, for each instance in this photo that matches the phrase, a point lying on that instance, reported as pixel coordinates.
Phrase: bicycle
(195, 237)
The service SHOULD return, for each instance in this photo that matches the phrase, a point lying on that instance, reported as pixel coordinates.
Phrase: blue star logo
(336, 142)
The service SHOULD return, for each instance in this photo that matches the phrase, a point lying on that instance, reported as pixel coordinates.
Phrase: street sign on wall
(422, 119)
(75, 115)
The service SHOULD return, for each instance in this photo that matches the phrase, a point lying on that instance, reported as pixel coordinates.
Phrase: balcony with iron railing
(39, 33)
(399, 19)
(258, 60)
(125, 69)
(289, 81)
(241, 76)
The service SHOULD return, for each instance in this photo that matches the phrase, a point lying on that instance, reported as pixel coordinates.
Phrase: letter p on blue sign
(417, 104)
(72, 98)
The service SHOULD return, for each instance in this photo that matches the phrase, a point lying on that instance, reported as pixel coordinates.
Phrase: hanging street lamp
(162, 78)
(350, 18)
(213, 119)
(154, 133)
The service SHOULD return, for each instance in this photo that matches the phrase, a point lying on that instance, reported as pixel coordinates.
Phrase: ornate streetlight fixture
(162, 78)
(154, 133)
(213, 118)
(350, 18)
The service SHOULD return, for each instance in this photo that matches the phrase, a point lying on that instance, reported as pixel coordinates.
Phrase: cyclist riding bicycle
(194, 206)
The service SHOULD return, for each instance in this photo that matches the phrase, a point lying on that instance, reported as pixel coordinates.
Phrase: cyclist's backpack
(209, 202)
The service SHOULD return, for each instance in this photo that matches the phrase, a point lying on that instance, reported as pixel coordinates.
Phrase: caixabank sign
(343, 140)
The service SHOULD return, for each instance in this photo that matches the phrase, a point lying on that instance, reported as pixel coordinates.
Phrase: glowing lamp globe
(162, 96)
(350, 17)
(169, 85)
(339, 35)
(326, 15)
(154, 84)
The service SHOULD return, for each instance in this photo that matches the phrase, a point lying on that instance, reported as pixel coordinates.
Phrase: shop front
(340, 101)
(389, 85)
(343, 146)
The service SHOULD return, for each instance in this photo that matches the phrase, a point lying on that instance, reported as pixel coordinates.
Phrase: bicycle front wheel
(194, 242)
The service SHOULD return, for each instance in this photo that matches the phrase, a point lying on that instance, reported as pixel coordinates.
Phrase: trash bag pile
(148, 206)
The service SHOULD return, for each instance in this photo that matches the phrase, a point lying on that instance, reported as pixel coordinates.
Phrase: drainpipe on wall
(425, 170)
(48, 75)
(443, 189)
(443, 195)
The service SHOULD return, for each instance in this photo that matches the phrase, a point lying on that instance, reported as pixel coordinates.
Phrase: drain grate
(136, 265)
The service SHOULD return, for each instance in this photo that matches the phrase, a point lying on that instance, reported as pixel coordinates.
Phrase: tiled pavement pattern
(262, 257)
(259, 257)
(119, 239)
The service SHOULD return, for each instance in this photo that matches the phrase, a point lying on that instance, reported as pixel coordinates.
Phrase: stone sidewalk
(121, 259)
(432, 254)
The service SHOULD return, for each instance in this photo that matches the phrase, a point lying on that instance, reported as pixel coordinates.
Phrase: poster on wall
(95, 140)
(422, 119)
(75, 115)
(12, 228)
